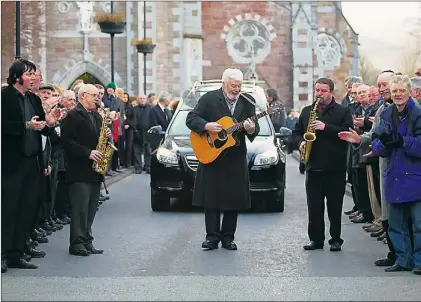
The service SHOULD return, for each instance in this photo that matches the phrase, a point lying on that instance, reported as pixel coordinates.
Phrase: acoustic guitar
(208, 147)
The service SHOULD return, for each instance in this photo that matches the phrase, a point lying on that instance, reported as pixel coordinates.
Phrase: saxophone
(104, 146)
(309, 136)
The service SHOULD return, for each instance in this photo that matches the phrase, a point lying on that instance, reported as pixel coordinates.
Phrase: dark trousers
(84, 202)
(121, 150)
(360, 184)
(376, 182)
(114, 159)
(128, 135)
(391, 254)
(62, 204)
(53, 189)
(217, 232)
(139, 149)
(18, 204)
(321, 185)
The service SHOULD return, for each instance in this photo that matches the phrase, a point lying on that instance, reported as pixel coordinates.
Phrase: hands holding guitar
(213, 127)
(249, 126)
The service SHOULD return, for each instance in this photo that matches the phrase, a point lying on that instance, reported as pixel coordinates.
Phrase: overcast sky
(384, 21)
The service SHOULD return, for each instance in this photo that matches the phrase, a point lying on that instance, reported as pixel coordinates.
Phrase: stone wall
(221, 19)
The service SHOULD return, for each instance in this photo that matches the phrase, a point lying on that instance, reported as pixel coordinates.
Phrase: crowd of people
(372, 140)
(384, 164)
(37, 147)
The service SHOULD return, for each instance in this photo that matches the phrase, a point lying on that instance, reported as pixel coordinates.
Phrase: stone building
(284, 45)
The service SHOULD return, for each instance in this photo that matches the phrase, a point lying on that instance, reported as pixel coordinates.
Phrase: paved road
(157, 256)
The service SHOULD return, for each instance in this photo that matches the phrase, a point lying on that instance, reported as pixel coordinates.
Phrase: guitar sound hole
(222, 135)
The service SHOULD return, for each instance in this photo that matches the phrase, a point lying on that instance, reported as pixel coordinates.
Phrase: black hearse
(174, 165)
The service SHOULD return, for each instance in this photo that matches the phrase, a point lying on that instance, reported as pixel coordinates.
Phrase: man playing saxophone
(80, 132)
(326, 162)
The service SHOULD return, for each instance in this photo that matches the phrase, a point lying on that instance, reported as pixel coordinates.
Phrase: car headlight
(269, 157)
(165, 156)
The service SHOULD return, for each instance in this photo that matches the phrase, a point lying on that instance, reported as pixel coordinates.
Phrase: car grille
(192, 162)
(262, 186)
(170, 184)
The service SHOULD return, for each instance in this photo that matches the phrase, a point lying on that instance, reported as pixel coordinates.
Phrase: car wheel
(159, 201)
(278, 204)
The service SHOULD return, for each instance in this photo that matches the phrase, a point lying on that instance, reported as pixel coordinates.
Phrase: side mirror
(156, 130)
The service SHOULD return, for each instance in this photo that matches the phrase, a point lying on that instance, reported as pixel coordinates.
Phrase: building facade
(284, 45)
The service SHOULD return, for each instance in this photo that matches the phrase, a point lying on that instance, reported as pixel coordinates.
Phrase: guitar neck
(240, 125)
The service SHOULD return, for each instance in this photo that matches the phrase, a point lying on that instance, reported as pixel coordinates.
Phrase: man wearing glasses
(80, 132)
(418, 71)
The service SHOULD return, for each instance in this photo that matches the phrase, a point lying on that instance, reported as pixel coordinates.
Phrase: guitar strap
(252, 102)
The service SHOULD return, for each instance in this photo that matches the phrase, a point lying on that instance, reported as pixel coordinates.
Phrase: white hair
(232, 74)
(164, 96)
(416, 82)
(85, 88)
(68, 94)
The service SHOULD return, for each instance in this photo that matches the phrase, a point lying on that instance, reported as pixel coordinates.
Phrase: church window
(329, 51)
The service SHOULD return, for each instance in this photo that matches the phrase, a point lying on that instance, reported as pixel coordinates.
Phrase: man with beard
(23, 120)
(363, 142)
(230, 168)
(326, 168)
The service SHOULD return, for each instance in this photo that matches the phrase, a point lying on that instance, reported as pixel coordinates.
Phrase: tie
(167, 114)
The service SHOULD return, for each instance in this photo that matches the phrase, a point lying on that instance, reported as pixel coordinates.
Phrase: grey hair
(401, 79)
(232, 74)
(356, 85)
(84, 88)
(352, 80)
(164, 96)
(68, 94)
(416, 82)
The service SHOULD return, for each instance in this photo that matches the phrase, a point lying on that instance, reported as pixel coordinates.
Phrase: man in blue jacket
(398, 138)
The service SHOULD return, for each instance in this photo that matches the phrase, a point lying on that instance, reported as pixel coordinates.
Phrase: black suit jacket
(328, 152)
(13, 129)
(158, 117)
(79, 136)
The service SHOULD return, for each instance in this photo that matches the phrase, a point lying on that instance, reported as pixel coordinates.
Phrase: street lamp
(17, 34)
(144, 46)
(111, 24)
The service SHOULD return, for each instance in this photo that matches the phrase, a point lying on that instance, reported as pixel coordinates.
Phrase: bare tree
(411, 58)
(367, 71)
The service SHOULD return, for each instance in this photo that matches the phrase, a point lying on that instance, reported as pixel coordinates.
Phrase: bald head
(383, 84)
(363, 92)
(88, 96)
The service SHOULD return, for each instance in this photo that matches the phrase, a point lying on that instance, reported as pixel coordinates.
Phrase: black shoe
(229, 245)
(384, 262)
(360, 219)
(35, 253)
(3, 266)
(313, 246)
(349, 212)
(210, 245)
(94, 251)
(21, 263)
(44, 231)
(78, 252)
(42, 240)
(381, 237)
(416, 271)
(26, 257)
(397, 268)
(335, 247)
(377, 234)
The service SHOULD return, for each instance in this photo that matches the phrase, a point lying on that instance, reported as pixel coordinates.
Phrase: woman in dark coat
(223, 185)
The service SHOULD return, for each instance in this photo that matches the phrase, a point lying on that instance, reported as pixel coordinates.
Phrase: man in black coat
(223, 185)
(141, 145)
(160, 115)
(80, 131)
(23, 120)
(326, 168)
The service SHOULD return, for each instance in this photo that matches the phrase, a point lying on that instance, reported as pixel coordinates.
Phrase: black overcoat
(224, 183)
(79, 136)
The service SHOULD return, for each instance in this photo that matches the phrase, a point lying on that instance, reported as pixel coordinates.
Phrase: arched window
(87, 78)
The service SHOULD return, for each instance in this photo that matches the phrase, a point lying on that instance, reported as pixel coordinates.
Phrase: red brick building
(285, 45)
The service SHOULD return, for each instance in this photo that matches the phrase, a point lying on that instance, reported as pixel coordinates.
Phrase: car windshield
(179, 128)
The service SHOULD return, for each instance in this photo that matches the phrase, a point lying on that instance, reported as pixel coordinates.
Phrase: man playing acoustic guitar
(223, 184)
